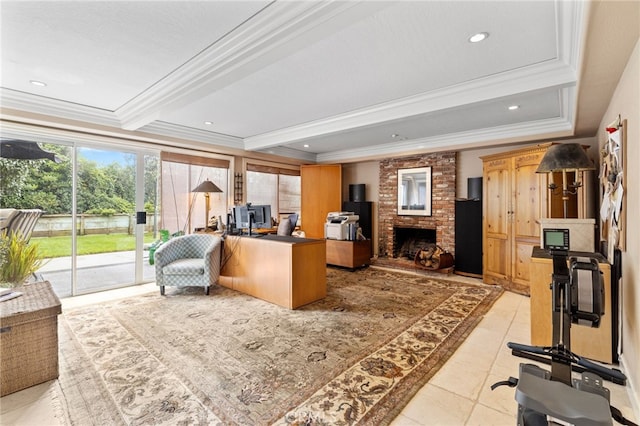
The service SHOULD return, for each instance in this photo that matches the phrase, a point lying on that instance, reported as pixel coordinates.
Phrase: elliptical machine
(553, 397)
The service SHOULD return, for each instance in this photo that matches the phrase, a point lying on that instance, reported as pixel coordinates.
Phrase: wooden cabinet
(321, 188)
(350, 254)
(515, 197)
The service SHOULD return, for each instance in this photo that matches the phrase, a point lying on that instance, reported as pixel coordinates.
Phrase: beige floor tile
(436, 406)
(103, 296)
(500, 399)
(496, 323)
(461, 378)
(519, 333)
(25, 397)
(27, 411)
(480, 348)
(402, 420)
(485, 416)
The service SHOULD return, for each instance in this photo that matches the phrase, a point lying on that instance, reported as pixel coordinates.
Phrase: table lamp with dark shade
(206, 187)
(563, 158)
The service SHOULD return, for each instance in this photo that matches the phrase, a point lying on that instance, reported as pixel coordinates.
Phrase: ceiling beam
(277, 31)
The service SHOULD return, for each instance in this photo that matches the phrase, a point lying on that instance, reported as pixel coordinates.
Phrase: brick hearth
(443, 195)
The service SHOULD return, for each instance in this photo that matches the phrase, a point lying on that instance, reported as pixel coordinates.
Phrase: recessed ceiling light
(395, 135)
(38, 83)
(306, 145)
(476, 38)
(208, 123)
(513, 107)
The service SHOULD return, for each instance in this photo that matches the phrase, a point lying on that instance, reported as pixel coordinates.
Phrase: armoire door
(529, 205)
(496, 252)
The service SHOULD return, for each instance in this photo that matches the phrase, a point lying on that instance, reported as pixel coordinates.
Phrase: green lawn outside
(87, 244)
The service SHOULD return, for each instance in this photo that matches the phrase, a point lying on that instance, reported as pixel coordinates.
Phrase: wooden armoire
(515, 197)
(321, 193)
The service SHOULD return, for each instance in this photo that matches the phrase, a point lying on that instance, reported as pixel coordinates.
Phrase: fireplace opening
(407, 241)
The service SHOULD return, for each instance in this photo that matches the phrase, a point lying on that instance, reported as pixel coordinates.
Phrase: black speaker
(468, 229)
(474, 188)
(356, 192)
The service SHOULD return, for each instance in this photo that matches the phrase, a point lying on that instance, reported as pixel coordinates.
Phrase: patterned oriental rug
(356, 357)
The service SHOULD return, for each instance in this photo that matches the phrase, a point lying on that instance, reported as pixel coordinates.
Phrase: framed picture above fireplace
(414, 191)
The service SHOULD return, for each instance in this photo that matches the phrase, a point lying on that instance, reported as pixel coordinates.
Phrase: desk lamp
(206, 187)
(564, 158)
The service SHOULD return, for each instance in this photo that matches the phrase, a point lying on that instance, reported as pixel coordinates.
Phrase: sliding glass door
(100, 213)
(109, 192)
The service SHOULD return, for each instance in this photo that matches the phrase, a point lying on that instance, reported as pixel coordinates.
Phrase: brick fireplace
(443, 194)
(407, 241)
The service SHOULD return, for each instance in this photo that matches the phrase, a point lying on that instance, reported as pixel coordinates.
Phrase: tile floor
(459, 394)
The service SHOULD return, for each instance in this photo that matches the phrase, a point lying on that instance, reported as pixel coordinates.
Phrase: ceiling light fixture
(514, 107)
(476, 38)
(395, 135)
(306, 145)
(38, 83)
(208, 123)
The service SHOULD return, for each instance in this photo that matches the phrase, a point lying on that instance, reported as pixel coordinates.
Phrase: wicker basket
(29, 338)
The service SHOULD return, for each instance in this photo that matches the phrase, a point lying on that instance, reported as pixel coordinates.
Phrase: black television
(260, 216)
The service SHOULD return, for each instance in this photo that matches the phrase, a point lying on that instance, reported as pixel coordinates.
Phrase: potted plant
(18, 259)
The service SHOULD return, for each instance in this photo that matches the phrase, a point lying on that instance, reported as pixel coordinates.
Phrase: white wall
(469, 163)
(625, 101)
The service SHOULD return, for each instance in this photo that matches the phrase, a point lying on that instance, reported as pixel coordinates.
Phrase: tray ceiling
(323, 81)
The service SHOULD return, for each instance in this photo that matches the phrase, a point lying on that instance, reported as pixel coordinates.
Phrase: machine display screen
(556, 239)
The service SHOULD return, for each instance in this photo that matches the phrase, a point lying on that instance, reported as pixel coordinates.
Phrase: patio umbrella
(24, 150)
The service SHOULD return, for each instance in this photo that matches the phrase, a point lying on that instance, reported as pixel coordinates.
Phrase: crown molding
(551, 74)
(56, 108)
(555, 127)
(571, 26)
(290, 153)
(278, 30)
(189, 133)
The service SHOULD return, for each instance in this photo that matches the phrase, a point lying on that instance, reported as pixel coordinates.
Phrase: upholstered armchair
(189, 260)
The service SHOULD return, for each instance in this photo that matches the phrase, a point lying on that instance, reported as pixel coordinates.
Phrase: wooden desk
(288, 271)
(593, 343)
(350, 254)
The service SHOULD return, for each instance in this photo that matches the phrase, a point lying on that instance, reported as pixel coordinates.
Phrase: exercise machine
(555, 397)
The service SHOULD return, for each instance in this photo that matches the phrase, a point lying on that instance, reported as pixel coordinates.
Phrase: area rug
(355, 357)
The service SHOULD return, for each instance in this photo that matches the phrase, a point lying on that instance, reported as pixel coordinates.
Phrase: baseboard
(468, 274)
(632, 389)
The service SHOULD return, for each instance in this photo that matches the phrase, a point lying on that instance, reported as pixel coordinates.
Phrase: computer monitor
(260, 216)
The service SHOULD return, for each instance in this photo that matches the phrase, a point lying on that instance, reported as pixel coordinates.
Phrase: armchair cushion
(184, 267)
